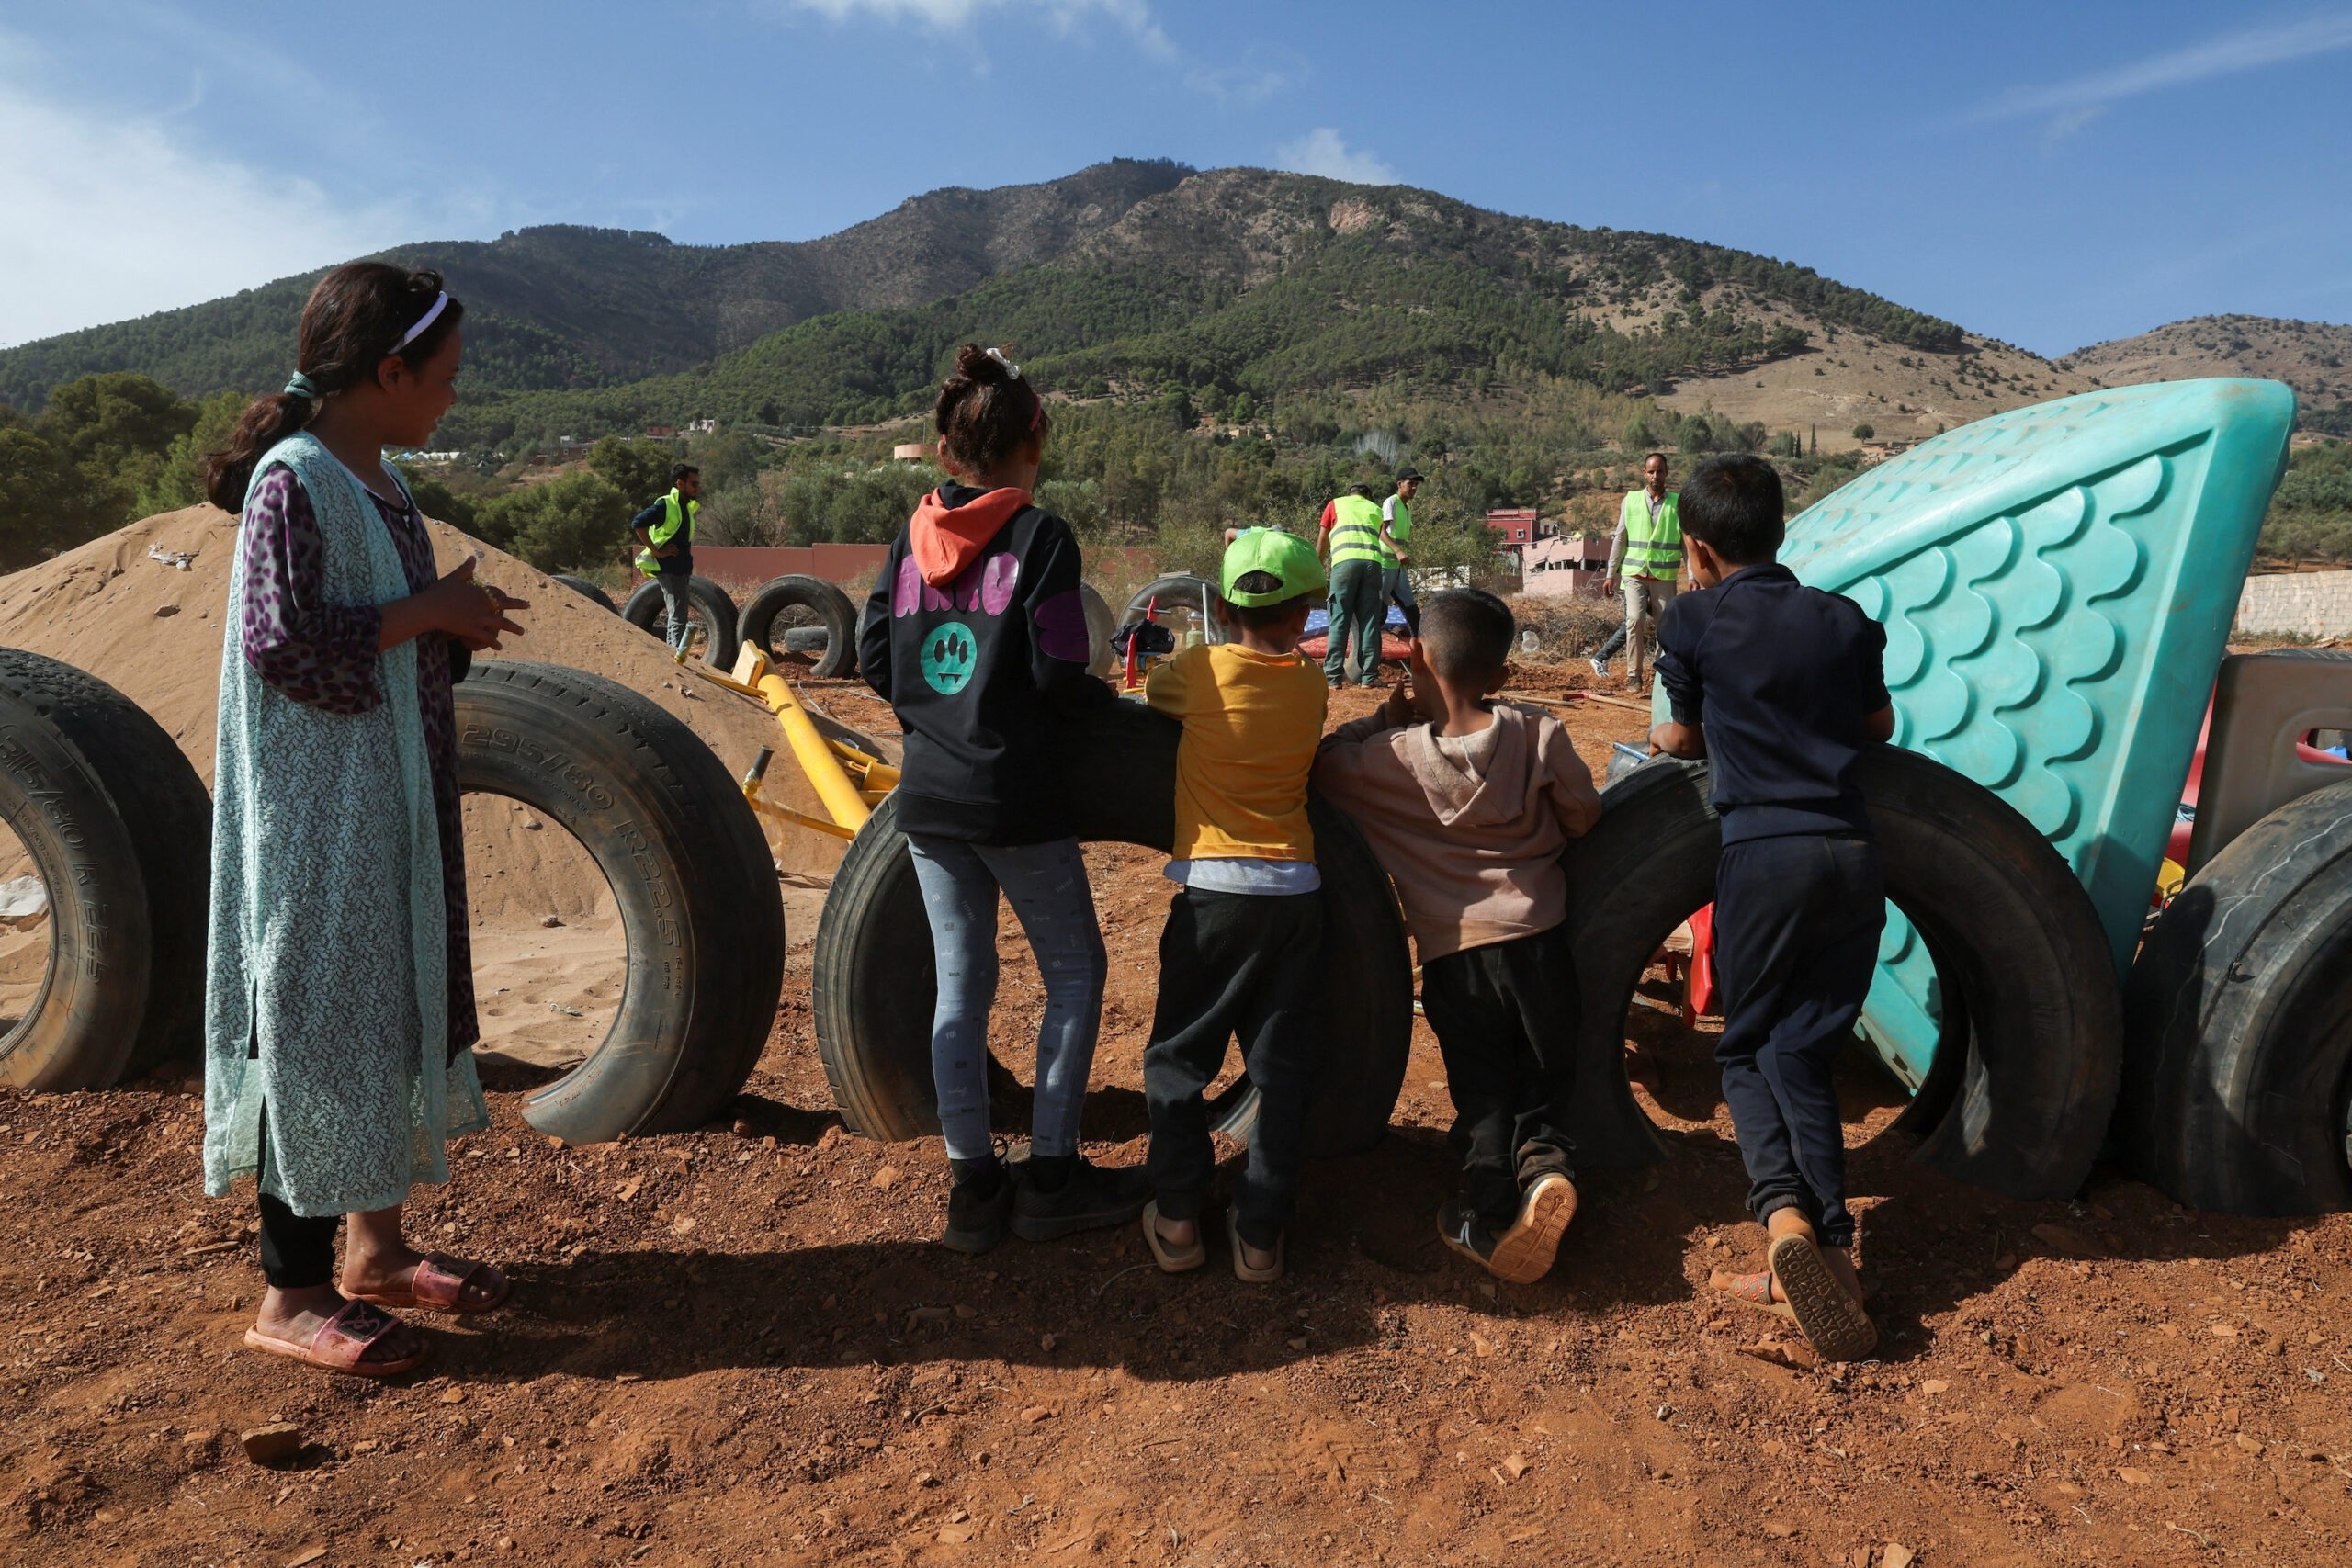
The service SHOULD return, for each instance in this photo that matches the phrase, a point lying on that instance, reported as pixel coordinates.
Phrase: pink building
(1564, 564)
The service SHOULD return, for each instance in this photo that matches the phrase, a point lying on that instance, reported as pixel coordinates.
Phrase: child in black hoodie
(976, 634)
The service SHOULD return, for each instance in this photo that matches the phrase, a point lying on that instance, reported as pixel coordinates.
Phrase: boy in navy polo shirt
(1780, 687)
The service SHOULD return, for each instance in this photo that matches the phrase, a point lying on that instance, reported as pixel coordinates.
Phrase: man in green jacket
(666, 537)
(1646, 559)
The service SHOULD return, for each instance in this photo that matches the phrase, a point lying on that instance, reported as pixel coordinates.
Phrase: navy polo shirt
(1781, 677)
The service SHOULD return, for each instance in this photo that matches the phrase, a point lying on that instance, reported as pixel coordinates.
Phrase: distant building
(1564, 564)
(657, 431)
(909, 452)
(702, 426)
(1515, 528)
(1880, 451)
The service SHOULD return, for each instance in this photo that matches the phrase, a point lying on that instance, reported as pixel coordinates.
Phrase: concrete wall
(2310, 603)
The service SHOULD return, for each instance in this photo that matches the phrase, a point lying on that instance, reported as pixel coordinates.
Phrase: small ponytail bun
(985, 415)
(266, 423)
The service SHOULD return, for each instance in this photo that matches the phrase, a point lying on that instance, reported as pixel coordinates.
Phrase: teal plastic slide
(2057, 586)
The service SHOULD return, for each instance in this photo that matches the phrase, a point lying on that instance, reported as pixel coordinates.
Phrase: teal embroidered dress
(329, 991)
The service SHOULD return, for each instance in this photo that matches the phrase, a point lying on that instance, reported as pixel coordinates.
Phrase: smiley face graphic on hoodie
(976, 634)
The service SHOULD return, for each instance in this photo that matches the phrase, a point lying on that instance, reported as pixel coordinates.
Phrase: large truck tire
(875, 976)
(589, 591)
(688, 867)
(119, 828)
(2239, 1013)
(1177, 591)
(710, 605)
(803, 601)
(2027, 1064)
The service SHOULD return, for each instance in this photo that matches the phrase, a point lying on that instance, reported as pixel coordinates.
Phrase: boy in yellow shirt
(1243, 951)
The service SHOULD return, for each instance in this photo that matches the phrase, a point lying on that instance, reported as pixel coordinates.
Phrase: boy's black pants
(1797, 923)
(1505, 1016)
(1246, 964)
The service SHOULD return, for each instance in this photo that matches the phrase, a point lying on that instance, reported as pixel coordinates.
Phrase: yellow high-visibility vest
(1356, 530)
(674, 517)
(1653, 548)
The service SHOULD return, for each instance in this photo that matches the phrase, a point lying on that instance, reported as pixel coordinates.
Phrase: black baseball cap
(1410, 473)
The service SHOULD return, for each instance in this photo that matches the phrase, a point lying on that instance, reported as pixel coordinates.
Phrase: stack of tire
(2238, 1087)
(118, 827)
(804, 617)
(708, 607)
(119, 831)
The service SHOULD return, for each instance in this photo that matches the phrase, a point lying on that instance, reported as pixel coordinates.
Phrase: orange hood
(945, 539)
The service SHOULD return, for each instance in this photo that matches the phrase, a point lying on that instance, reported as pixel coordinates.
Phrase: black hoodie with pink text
(976, 634)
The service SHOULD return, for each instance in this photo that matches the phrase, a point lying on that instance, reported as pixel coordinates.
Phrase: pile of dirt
(141, 610)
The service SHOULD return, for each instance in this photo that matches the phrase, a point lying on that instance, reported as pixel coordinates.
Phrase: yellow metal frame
(849, 782)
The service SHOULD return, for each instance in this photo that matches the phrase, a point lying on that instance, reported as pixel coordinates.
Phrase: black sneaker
(1460, 1229)
(1092, 1197)
(976, 1223)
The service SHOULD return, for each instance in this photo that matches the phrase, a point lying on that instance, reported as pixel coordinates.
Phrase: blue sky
(2048, 173)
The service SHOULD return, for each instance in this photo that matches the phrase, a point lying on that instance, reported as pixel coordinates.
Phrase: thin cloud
(955, 15)
(1323, 151)
(2074, 103)
(118, 218)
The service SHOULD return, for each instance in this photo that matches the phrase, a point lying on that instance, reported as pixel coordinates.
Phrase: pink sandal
(439, 1285)
(341, 1341)
(1755, 1291)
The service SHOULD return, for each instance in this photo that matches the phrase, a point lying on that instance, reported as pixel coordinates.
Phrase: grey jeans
(1046, 885)
(677, 598)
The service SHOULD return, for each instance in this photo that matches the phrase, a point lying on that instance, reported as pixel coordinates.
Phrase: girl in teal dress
(339, 1010)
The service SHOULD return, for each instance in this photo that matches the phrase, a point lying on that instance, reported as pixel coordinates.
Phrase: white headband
(440, 303)
(1011, 370)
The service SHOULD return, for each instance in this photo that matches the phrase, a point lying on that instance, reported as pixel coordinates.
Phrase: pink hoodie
(1473, 845)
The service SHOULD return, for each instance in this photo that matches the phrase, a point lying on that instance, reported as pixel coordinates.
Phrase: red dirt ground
(740, 1345)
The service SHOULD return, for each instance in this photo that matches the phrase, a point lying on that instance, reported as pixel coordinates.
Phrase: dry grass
(1565, 628)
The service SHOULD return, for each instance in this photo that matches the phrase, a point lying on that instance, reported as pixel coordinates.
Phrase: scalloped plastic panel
(2057, 586)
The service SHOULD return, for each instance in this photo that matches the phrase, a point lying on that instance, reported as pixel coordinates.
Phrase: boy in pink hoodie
(1468, 803)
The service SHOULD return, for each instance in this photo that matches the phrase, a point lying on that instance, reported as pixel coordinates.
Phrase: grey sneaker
(1092, 1199)
(1599, 666)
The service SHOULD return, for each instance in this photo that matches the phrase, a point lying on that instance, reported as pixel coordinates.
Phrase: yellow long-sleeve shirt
(1252, 724)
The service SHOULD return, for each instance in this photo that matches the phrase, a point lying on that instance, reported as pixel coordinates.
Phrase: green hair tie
(300, 386)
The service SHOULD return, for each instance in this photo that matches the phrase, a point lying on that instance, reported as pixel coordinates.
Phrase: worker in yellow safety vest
(666, 537)
(1350, 543)
(1646, 561)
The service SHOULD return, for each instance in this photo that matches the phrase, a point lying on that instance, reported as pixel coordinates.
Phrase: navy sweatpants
(1797, 922)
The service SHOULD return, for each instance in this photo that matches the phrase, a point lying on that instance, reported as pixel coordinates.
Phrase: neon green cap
(1289, 558)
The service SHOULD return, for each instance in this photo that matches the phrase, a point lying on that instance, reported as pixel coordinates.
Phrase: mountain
(2313, 358)
(1127, 278)
(565, 306)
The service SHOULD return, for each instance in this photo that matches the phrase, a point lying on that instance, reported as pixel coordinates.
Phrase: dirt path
(740, 1345)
